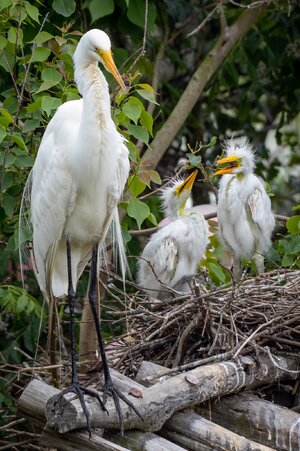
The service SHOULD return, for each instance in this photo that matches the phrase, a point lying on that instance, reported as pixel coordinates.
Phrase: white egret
(175, 250)
(244, 208)
(76, 182)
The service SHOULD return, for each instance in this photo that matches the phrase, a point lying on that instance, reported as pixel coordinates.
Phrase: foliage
(288, 247)
(20, 316)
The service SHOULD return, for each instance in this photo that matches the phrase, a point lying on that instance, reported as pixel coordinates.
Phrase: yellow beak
(187, 184)
(109, 63)
(230, 162)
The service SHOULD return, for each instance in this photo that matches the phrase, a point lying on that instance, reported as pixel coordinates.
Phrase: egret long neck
(93, 87)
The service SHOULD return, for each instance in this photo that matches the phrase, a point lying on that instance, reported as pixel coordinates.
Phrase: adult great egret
(75, 185)
(174, 251)
(244, 208)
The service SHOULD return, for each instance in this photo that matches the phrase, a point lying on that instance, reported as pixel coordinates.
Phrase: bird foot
(80, 391)
(117, 395)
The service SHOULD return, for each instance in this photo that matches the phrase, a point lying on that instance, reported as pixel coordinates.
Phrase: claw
(117, 395)
(79, 391)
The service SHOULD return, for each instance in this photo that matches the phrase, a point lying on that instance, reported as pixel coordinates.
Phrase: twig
(203, 23)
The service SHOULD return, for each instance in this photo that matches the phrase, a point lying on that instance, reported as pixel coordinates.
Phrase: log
(146, 441)
(191, 430)
(32, 405)
(257, 418)
(160, 401)
(197, 433)
(72, 441)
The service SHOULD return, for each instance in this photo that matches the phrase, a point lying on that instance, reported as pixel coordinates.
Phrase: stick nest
(256, 315)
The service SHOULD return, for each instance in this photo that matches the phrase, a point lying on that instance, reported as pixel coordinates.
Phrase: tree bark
(197, 433)
(158, 403)
(257, 418)
(199, 80)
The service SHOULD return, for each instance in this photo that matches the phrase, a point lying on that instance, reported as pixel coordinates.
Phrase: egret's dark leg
(75, 386)
(108, 384)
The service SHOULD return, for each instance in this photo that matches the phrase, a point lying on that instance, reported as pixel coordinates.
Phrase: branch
(198, 82)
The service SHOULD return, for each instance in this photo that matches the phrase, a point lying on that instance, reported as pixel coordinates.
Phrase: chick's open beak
(109, 63)
(187, 184)
(231, 162)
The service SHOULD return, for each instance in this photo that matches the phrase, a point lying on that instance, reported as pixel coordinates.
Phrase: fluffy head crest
(243, 150)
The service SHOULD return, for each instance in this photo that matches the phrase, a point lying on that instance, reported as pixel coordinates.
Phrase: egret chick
(75, 185)
(244, 208)
(175, 250)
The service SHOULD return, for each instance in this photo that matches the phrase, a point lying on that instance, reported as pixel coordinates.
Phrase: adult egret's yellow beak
(187, 184)
(231, 162)
(109, 63)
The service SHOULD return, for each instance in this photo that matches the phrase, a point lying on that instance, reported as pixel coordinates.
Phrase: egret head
(174, 197)
(95, 46)
(240, 159)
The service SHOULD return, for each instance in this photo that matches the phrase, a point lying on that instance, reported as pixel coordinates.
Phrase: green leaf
(4, 4)
(133, 109)
(154, 176)
(194, 159)
(50, 103)
(152, 219)
(146, 87)
(21, 303)
(136, 13)
(148, 95)
(17, 138)
(41, 37)
(15, 36)
(9, 204)
(133, 152)
(138, 210)
(2, 133)
(101, 9)
(51, 78)
(3, 42)
(293, 225)
(287, 261)
(136, 186)
(147, 121)
(217, 271)
(40, 54)
(32, 11)
(64, 7)
(138, 132)
(34, 106)
(30, 125)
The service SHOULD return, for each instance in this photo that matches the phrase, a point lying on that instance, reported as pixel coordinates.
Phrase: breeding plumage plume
(75, 186)
(175, 250)
(244, 208)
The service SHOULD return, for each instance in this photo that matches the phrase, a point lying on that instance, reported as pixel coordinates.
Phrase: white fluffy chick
(244, 208)
(175, 250)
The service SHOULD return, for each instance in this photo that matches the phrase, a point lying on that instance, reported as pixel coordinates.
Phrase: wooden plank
(259, 419)
(161, 400)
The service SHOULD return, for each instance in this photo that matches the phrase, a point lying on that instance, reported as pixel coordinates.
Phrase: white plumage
(244, 208)
(79, 173)
(175, 250)
(75, 186)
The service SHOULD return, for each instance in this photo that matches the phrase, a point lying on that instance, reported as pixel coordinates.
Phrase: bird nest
(256, 315)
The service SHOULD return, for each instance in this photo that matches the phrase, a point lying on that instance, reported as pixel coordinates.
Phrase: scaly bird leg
(108, 384)
(75, 386)
(259, 262)
(237, 269)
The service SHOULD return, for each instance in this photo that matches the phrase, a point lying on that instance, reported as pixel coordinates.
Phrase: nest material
(260, 314)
